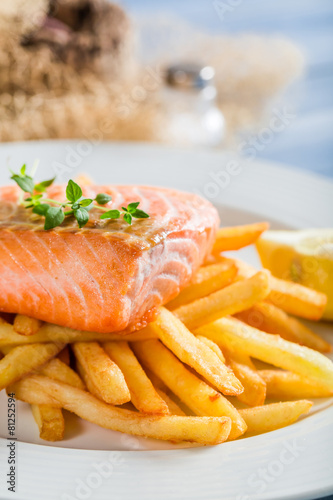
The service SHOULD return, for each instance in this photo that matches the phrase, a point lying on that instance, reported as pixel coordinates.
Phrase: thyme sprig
(75, 204)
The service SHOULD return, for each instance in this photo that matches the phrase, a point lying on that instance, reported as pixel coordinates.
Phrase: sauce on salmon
(108, 276)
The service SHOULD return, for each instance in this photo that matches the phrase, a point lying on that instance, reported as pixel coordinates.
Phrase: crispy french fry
(245, 270)
(50, 422)
(57, 370)
(43, 390)
(22, 360)
(234, 298)
(297, 299)
(236, 237)
(64, 356)
(92, 388)
(254, 386)
(293, 298)
(155, 380)
(24, 325)
(174, 409)
(193, 352)
(233, 334)
(200, 397)
(240, 357)
(55, 333)
(102, 372)
(6, 349)
(212, 346)
(207, 280)
(218, 258)
(284, 385)
(274, 416)
(143, 394)
(271, 319)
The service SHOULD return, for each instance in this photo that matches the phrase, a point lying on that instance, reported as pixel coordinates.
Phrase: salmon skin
(108, 276)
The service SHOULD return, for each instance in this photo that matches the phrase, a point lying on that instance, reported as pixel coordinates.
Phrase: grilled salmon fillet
(108, 276)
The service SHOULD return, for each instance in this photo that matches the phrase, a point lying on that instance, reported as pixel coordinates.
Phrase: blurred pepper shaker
(190, 100)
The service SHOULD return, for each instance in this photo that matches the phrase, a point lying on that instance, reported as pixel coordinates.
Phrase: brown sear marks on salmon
(108, 276)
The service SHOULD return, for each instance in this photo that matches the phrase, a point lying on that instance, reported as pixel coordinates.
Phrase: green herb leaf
(111, 214)
(53, 217)
(35, 200)
(86, 202)
(103, 199)
(132, 207)
(25, 182)
(41, 209)
(79, 206)
(81, 216)
(41, 187)
(128, 218)
(140, 214)
(73, 191)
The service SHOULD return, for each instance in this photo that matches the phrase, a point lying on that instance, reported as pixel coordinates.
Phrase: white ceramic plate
(92, 463)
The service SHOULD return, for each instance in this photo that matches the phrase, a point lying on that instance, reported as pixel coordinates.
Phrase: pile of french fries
(200, 373)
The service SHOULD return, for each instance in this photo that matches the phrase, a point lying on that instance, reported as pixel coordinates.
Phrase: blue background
(308, 142)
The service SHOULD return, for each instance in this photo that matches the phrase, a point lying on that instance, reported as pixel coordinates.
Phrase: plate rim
(258, 165)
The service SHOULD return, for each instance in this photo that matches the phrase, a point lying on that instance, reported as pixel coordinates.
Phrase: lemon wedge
(304, 257)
